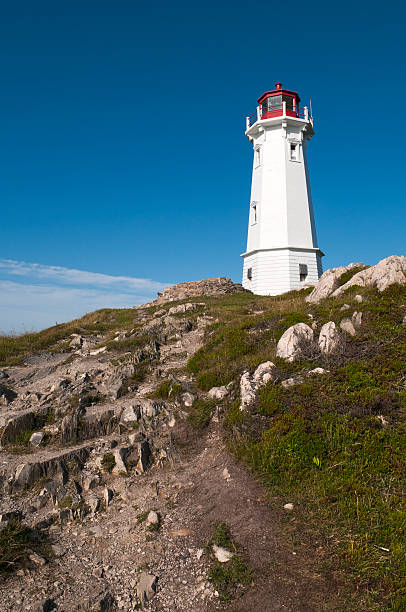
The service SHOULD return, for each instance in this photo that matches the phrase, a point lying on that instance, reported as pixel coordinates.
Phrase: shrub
(200, 414)
(108, 462)
(17, 542)
(167, 389)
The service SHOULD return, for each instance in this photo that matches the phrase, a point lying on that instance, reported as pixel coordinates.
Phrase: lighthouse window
(249, 273)
(253, 213)
(257, 157)
(294, 151)
(289, 102)
(274, 102)
(303, 272)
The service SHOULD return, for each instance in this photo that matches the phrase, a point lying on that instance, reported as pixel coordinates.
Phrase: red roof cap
(279, 90)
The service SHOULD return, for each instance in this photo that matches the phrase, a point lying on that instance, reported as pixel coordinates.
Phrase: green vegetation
(24, 438)
(141, 518)
(346, 276)
(66, 502)
(245, 334)
(108, 462)
(128, 344)
(167, 390)
(15, 348)
(229, 578)
(335, 445)
(201, 412)
(140, 374)
(17, 542)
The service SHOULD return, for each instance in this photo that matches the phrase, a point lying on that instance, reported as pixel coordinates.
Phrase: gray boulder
(348, 326)
(70, 427)
(291, 343)
(188, 399)
(131, 415)
(386, 272)
(219, 393)
(189, 307)
(329, 337)
(357, 319)
(249, 384)
(146, 587)
(37, 438)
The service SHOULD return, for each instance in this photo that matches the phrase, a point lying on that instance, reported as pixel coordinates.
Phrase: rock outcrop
(329, 338)
(205, 287)
(291, 343)
(329, 282)
(389, 271)
(249, 384)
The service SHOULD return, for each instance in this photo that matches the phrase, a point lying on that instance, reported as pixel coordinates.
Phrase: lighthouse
(282, 252)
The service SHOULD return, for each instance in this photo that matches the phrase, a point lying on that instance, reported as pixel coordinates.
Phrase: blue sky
(124, 165)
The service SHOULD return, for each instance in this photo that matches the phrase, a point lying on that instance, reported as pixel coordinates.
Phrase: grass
(230, 578)
(66, 502)
(141, 518)
(24, 438)
(167, 389)
(347, 276)
(201, 412)
(13, 348)
(128, 344)
(335, 446)
(17, 542)
(245, 333)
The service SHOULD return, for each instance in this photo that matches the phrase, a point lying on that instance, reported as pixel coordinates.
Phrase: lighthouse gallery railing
(278, 111)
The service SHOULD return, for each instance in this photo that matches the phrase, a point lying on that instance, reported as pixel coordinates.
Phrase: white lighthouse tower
(282, 252)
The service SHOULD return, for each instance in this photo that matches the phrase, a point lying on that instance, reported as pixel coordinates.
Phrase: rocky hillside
(213, 450)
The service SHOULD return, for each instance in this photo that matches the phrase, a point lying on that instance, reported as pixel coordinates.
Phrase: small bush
(201, 412)
(16, 543)
(167, 389)
(108, 462)
(66, 502)
(24, 438)
(222, 536)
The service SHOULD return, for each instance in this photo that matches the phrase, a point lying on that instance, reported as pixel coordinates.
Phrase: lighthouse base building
(282, 251)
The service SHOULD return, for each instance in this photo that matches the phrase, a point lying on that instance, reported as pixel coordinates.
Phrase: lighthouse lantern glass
(289, 102)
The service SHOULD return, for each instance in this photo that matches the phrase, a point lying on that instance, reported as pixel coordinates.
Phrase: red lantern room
(272, 103)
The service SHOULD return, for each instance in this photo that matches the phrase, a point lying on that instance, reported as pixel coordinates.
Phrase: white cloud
(71, 276)
(42, 295)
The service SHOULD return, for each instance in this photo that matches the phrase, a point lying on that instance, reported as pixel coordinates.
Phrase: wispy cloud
(34, 296)
(71, 276)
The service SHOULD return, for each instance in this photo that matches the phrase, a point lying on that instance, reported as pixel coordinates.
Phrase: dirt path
(105, 555)
(95, 564)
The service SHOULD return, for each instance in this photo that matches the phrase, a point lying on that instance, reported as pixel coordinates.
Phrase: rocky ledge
(206, 287)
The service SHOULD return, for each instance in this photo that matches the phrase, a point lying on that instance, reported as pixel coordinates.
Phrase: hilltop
(212, 450)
